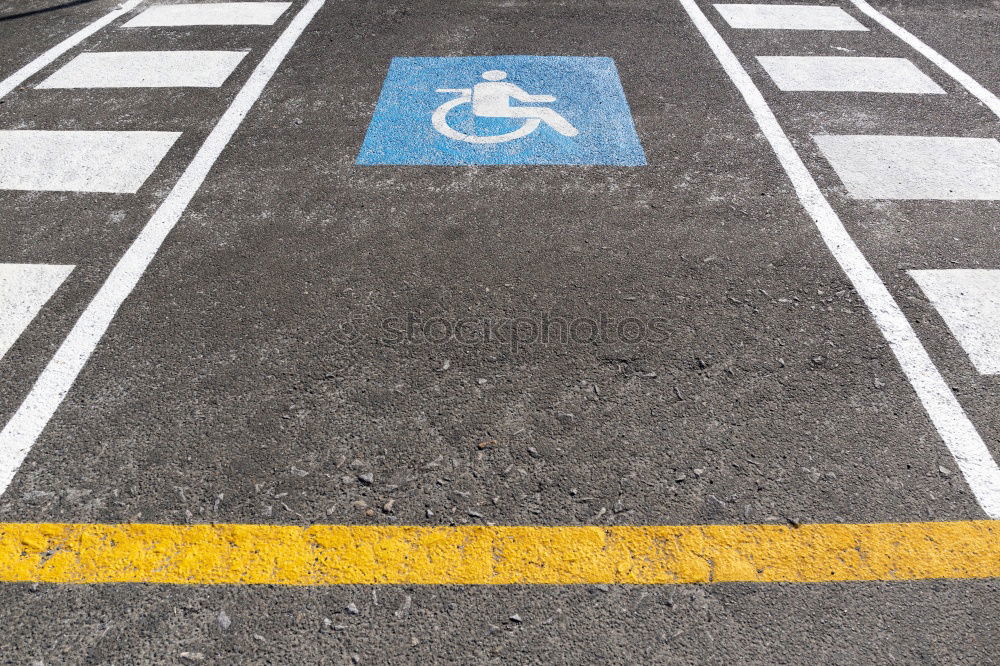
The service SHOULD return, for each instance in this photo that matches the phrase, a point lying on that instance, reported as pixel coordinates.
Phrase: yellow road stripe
(343, 554)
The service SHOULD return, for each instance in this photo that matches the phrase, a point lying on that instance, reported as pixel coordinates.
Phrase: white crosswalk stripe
(146, 69)
(24, 289)
(969, 302)
(915, 167)
(74, 161)
(847, 74)
(214, 13)
(788, 17)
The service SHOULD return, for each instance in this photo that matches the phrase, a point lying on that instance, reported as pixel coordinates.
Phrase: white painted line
(915, 167)
(847, 74)
(953, 425)
(71, 161)
(991, 101)
(146, 69)
(787, 17)
(212, 13)
(969, 302)
(20, 433)
(47, 58)
(24, 289)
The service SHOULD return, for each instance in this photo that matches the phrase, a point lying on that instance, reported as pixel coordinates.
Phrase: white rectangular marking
(146, 69)
(847, 74)
(788, 17)
(969, 302)
(68, 161)
(915, 167)
(212, 13)
(24, 289)
(957, 431)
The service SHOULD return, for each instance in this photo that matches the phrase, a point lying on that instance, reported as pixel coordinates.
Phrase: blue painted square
(414, 123)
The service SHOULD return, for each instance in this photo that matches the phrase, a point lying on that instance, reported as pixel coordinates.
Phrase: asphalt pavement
(657, 332)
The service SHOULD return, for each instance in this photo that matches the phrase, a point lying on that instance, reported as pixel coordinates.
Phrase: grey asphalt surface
(249, 379)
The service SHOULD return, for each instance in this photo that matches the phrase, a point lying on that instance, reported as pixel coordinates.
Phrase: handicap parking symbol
(502, 110)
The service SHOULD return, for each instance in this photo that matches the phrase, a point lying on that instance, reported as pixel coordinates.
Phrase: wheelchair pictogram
(491, 99)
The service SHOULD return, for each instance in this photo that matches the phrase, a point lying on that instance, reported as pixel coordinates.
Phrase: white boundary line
(953, 425)
(57, 378)
(47, 58)
(969, 83)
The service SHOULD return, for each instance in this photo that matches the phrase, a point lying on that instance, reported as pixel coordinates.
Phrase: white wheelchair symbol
(491, 99)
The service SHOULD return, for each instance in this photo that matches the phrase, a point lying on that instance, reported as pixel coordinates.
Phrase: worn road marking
(915, 167)
(847, 74)
(47, 58)
(146, 69)
(71, 161)
(788, 17)
(24, 289)
(211, 13)
(991, 101)
(952, 423)
(344, 554)
(969, 302)
(48, 392)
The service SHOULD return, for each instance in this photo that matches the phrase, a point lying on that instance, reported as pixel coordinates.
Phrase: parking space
(268, 375)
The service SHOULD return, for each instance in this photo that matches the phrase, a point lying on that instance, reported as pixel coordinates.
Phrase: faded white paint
(949, 418)
(847, 74)
(969, 302)
(491, 98)
(24, 289)
(71, 161)
(915, 167)
(146, 69)
(788, 17)
(439, 119)
(210, 13)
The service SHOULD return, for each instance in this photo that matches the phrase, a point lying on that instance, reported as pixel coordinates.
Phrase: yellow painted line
(343, 554)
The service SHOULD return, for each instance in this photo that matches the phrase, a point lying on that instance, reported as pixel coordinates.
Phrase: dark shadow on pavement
(65, 5)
